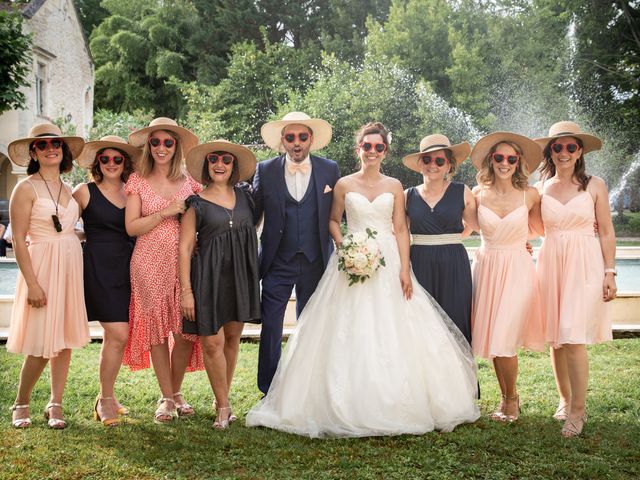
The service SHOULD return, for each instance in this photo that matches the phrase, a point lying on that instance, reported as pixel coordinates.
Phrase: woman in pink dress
(156, 195)
(49, 316)
(506, 313)
(576, 268)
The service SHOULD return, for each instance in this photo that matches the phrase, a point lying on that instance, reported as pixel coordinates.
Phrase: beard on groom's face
(297, 149)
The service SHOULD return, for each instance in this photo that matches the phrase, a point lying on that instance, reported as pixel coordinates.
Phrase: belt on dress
(443, 239)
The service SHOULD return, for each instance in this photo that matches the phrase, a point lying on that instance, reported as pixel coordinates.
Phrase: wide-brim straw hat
(245, 157)
(272, 131)
(19, 149)
(88, 155)
(186, 137)
(571, 129)
(531, 151)
(432, 143)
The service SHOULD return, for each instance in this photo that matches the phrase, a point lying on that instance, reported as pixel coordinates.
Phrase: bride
(373, 358)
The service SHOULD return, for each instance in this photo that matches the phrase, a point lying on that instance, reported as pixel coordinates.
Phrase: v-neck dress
(56, 259)
(506, 297)
(107, 254)
(571, 271)
(224, 269)
(443, 270)
(154, 311)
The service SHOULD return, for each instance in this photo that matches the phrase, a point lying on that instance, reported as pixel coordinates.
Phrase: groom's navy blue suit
(294, 247)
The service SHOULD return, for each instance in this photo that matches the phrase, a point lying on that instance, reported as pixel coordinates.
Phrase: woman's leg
(113, 344)
(180, 357)
(59, 372)
(563, 384)
(232, 335)
(578, 371)
(213, 348)
(508, 368)
(32, 368)
(162, 368)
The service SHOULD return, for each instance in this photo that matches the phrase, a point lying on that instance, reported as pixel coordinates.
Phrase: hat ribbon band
(433, 146)
(567, 133)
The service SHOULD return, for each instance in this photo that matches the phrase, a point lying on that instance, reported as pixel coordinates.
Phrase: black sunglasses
(42, 145)
(226, 158)
(571, 147)
(168, 142)
(117, 159)
(501, 157)
(291, 137)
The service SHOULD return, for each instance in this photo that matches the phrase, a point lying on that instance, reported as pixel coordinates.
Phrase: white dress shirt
(297, 183)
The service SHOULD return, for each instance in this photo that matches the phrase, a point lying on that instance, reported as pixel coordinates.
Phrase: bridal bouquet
(359, 256)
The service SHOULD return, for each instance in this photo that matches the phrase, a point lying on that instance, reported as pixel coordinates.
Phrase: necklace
(56, 220)
(230, 215)
(424, 195)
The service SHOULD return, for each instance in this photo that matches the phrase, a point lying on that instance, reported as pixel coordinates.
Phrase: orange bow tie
(297, 167)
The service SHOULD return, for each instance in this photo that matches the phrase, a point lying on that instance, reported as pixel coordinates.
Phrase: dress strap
(35, 190)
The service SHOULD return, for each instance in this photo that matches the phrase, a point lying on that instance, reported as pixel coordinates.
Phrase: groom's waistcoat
(300, 233)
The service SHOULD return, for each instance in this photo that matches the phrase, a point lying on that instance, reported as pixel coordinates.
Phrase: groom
(294, 192)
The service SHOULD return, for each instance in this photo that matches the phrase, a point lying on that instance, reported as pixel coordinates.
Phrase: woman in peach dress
(576, 268)
(506, 312)
(156, 195)
(49, 316)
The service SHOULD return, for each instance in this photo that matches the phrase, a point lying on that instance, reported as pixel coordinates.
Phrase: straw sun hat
(531, 151)
(245, 157)
(88, 155)
(187, 137)
(272, 131)
(432, 143)
(571, 129)
(19, 149)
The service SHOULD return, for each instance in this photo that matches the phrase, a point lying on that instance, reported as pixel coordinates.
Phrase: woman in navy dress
(107, 254)
(436, 211)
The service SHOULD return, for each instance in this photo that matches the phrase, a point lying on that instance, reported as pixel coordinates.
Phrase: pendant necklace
(56, 220)
(230, 215)
(424, 191)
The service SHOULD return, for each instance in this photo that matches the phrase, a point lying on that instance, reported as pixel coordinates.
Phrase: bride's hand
(407, 287)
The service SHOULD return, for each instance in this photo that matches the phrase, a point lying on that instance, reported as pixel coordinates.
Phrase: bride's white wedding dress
(365, 361)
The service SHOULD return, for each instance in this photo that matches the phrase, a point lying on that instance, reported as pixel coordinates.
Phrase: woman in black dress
(219, 282)
(436, 211)
(107, 253)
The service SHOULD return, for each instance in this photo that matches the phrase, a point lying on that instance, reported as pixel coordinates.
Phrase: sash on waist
(570, 233)
(443, 239)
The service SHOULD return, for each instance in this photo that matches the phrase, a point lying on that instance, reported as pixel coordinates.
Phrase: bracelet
(185, 289)
(611, 270)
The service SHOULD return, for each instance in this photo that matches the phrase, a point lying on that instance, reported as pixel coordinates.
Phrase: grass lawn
(532, 448)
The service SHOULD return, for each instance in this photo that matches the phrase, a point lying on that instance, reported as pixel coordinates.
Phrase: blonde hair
(145, 166)
(486, 177)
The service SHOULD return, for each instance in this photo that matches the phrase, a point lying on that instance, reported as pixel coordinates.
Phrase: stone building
(60, 82)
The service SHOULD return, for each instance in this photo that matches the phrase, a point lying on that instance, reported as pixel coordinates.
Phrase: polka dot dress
(154, 312)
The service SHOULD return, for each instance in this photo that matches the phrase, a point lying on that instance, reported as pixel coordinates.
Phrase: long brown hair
(145, 166)
(486, 176)
(548, 169)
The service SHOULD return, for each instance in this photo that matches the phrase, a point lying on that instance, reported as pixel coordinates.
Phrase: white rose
(360, 261)
(359, 237)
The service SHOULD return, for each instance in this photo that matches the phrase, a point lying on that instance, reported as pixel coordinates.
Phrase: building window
(41, 88)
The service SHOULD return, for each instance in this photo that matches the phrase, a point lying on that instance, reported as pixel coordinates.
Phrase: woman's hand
(188, 306)
(407, 286)
(36, 296)
(609, 288)
(176, 207)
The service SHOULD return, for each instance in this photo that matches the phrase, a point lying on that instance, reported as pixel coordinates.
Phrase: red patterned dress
(154, 311)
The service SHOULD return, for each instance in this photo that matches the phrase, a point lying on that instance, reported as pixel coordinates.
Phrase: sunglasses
(439, 161)
(501, 157)
(379, 147)
(291, 137)
(168, 142)
(571, 147)
(42, 145)
(117, 159)
(225, 158)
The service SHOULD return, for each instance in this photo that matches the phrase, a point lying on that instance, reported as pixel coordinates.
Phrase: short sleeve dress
(107, 254)
(225, 270)
(443, 270)
(154, 311)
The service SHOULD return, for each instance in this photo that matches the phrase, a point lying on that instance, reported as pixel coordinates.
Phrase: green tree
(15, 56)
(91, 14)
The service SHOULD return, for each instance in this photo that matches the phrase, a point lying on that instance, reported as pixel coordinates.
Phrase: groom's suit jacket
(269, 190)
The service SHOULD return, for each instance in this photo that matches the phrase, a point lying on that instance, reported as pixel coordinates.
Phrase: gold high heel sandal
(221, 424)
(20, 422)
(513, 417)
(232, 417)
(498, 414)
(561, 412)
(54, 423)
(107, 422)
(573, 426)
(184, 409)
